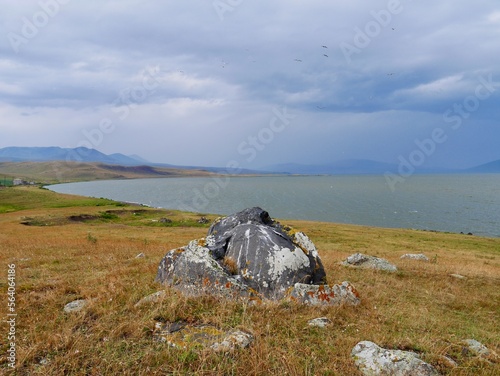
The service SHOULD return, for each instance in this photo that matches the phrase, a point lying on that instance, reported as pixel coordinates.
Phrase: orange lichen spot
(206, 282)
(311, 294)
(354, 291)
(228, 285)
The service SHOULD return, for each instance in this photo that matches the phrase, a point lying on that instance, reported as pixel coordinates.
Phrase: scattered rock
(373, 360)
(447, 361)
(152, 298)
(457, 276)
(165, 220)
(44, 362)
(140, 255)
(75, 306)
(236, 339)
(248, 254)
(476, 348)
(320, 322)
(203, 220)
(415, 256)
(359, 260)
(184, 336)
(324, 295)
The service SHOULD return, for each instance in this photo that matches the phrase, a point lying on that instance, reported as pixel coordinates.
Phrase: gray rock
(476, 347)
(75, 306)
(415, 256)
(246, 253)
(457, 276)
(233, 340)
(359, 260)
(184, 336)
(152, 298)
(373, 360)
(320, 322)
(318, 295)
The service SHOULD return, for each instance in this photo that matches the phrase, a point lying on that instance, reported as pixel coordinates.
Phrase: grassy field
(69, 247)
(63, 172)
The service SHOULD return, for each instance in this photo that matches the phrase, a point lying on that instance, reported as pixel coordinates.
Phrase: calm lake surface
(454, 203)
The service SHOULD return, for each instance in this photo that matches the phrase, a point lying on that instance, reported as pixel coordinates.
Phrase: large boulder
(248, 254)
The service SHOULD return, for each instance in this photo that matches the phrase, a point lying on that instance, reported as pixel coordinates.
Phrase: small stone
(318, 295)
(75, 306)
(234, 340)
(140, 255)
(359, 260)
(152, 298)
(415, 256)
(447, 361)
(372, 360)
(320, 322)
(476, 347)
(203, 220)
(44, 362)
(165, 220)
(457, 276)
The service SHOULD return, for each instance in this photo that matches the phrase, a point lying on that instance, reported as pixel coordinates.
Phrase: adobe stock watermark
(249, 149)
(372, 29)
(31, 26)
(222, 7)
(455, 117)
(128, 99)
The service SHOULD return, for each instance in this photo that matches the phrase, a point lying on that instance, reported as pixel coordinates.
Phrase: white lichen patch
(282, 259)
(303, 241)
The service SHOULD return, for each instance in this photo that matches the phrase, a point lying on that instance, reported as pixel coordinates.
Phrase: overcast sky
(207, 82)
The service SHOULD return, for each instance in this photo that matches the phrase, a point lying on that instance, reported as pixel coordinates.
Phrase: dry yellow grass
(420, 307)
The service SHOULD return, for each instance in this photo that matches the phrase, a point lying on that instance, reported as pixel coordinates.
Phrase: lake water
(454, 203)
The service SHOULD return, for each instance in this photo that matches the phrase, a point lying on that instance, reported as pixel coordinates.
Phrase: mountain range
(349, 166)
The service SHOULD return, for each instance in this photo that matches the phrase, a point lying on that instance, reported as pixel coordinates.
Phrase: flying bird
(324, 46)
(325, 55)
(298, 60)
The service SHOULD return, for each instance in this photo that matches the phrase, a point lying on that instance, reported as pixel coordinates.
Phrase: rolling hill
(61, 172)
(54, 153)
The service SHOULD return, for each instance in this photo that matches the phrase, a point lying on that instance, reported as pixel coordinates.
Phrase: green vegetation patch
(22, 198)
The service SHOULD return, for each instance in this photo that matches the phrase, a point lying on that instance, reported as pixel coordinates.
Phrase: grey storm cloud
(190, 82)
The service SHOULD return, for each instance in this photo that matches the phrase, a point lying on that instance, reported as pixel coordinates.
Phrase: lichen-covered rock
(373, 360)
(317, 295)
(359, 260)
(194, 271)
(236, 339)
(183, 336)
(246, 253)
(415, 256)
